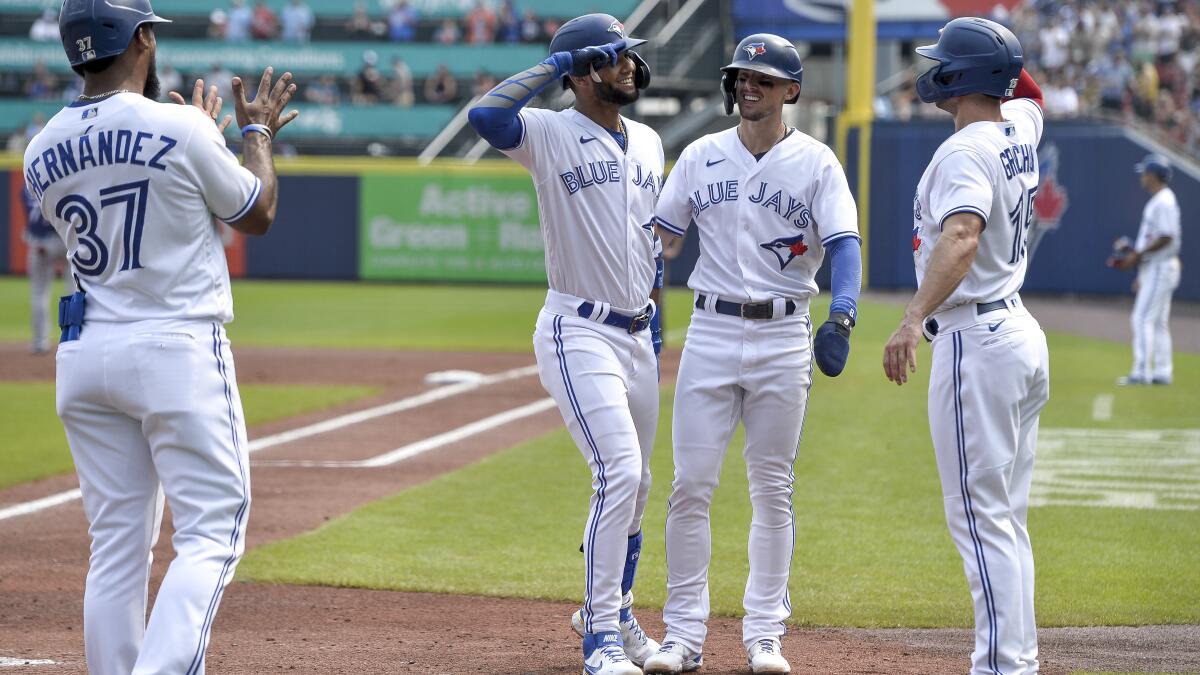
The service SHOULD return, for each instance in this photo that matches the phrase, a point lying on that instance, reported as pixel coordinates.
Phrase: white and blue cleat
(672, 657)
(603, 654)
(638, 645)
(766, 656)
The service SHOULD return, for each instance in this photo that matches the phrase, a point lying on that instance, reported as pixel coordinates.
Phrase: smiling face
(759, 95)
(616, 83)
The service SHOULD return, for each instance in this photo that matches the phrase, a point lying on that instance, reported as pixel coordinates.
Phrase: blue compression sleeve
(495, 116)
(845, 262)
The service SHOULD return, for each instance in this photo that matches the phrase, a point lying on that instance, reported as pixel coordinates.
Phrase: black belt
(630, 324)
(750, 310)
(931, 325)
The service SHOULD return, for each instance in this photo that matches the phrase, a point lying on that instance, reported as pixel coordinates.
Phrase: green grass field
(872, 547)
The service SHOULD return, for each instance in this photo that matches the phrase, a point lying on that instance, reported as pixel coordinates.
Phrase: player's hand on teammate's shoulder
(900, 353)
(268, 104)
(210, 104)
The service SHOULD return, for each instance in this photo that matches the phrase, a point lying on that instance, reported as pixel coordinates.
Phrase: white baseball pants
(989, 381)
(1157, 281)
(152, 408)
(605, 382)
(758, 372)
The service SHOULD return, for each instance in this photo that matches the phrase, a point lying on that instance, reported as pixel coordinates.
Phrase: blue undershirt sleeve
(496, 115)
(845, 262)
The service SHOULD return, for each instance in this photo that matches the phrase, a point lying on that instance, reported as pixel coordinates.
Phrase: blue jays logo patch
(755, 49)
(786, 249)
(617, 27)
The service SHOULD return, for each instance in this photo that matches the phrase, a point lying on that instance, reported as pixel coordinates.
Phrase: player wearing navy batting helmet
(990, 372)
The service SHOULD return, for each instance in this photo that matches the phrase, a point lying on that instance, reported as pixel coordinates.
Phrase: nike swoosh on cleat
(993, 326)
(713, 163)
(587, 139)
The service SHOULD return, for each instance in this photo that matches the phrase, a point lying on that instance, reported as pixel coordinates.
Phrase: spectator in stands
(480, 24)
(237, 24)
(531, 28)
(169, 80)
(359, 24)
(18, 141)
(448, 33)
(324, 91)
(1056, 43)
(508, 26)
(484, 82)
(296, 22)
(218, 23)
(222, 78)
(402, 22)
(265, 24)
(401, 91)
(45, 27)
(441, 87)
(368, 86)
(42, 84)
(1060, 98)
(1113, 76)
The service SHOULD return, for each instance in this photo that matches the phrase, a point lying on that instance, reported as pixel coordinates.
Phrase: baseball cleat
(638, 645)
(673, 657)
(603, 654)
(1161, 381)
(1131, 380)
(766, 656)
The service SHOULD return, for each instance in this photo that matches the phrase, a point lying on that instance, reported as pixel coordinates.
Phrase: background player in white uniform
(768, 202)
(597, 176)
(990, 375)
(46, 253)
(145, 379)
(1156, 255)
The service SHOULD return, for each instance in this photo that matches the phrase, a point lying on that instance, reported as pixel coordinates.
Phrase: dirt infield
(265, 628)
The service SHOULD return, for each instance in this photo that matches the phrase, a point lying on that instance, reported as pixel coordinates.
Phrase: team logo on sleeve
(916, 239)
(786, 249)
(755, 49)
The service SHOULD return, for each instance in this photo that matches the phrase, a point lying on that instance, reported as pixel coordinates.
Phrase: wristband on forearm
(258, 128)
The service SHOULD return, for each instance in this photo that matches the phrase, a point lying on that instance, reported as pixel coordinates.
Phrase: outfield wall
(393, 220)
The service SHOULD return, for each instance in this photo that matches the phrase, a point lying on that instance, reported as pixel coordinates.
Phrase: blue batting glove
(831, 347)
(656, 331)
(582, 60)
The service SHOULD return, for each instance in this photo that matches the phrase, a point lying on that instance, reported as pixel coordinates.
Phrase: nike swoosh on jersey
(714, 162)
(993, 326)
(588, 139)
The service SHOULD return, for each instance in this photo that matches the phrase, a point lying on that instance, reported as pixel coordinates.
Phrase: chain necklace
(95, 97)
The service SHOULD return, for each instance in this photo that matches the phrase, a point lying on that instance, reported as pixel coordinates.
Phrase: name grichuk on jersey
(131, 186)
(989, 169)
(763, 224)
(595, 203)
(1160, 218)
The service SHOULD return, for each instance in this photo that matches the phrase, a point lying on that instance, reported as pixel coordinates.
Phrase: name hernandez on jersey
(989, 169)
(132, 187)
(595, 203)
(763, 224)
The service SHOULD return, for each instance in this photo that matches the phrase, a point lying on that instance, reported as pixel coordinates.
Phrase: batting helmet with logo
(594, 30)
(1157, 165)
(762, 53)
(98, 29)
(974, 56)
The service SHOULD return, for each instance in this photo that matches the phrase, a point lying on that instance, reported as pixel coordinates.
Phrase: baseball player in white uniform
(145, 380)
(769, 202)
(598, 176)
(46, 253)
(990, 375)
(1156, 255)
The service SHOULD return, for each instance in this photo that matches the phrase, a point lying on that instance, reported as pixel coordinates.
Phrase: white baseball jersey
(763, 224)
(139, 230)
(1160, 218)
(595, 202)
(989, 169)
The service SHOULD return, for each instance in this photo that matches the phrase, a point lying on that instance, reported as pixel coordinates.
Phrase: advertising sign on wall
(449, 226)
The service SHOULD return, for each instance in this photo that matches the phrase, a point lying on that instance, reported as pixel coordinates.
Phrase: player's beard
(153, 88)
(610, 94)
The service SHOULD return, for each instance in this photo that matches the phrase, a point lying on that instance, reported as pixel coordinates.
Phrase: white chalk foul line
(8, 662)
(431, 396)
(419, 447)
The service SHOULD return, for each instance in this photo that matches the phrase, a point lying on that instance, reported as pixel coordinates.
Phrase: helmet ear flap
(728, 82)
(641, 71)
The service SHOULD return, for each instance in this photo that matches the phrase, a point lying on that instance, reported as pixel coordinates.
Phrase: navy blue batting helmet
(1157, 165)
(98, 29)
(762, 53)
(974, 56)
(594, 30)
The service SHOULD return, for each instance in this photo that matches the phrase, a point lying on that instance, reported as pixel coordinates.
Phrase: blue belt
(70, 315)
(629, 324)
(749, 310)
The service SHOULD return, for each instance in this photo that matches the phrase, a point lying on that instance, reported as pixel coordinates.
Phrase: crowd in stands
(1133, 60)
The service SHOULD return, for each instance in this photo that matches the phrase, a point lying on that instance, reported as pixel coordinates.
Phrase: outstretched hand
(210, 103)
(268, 104)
